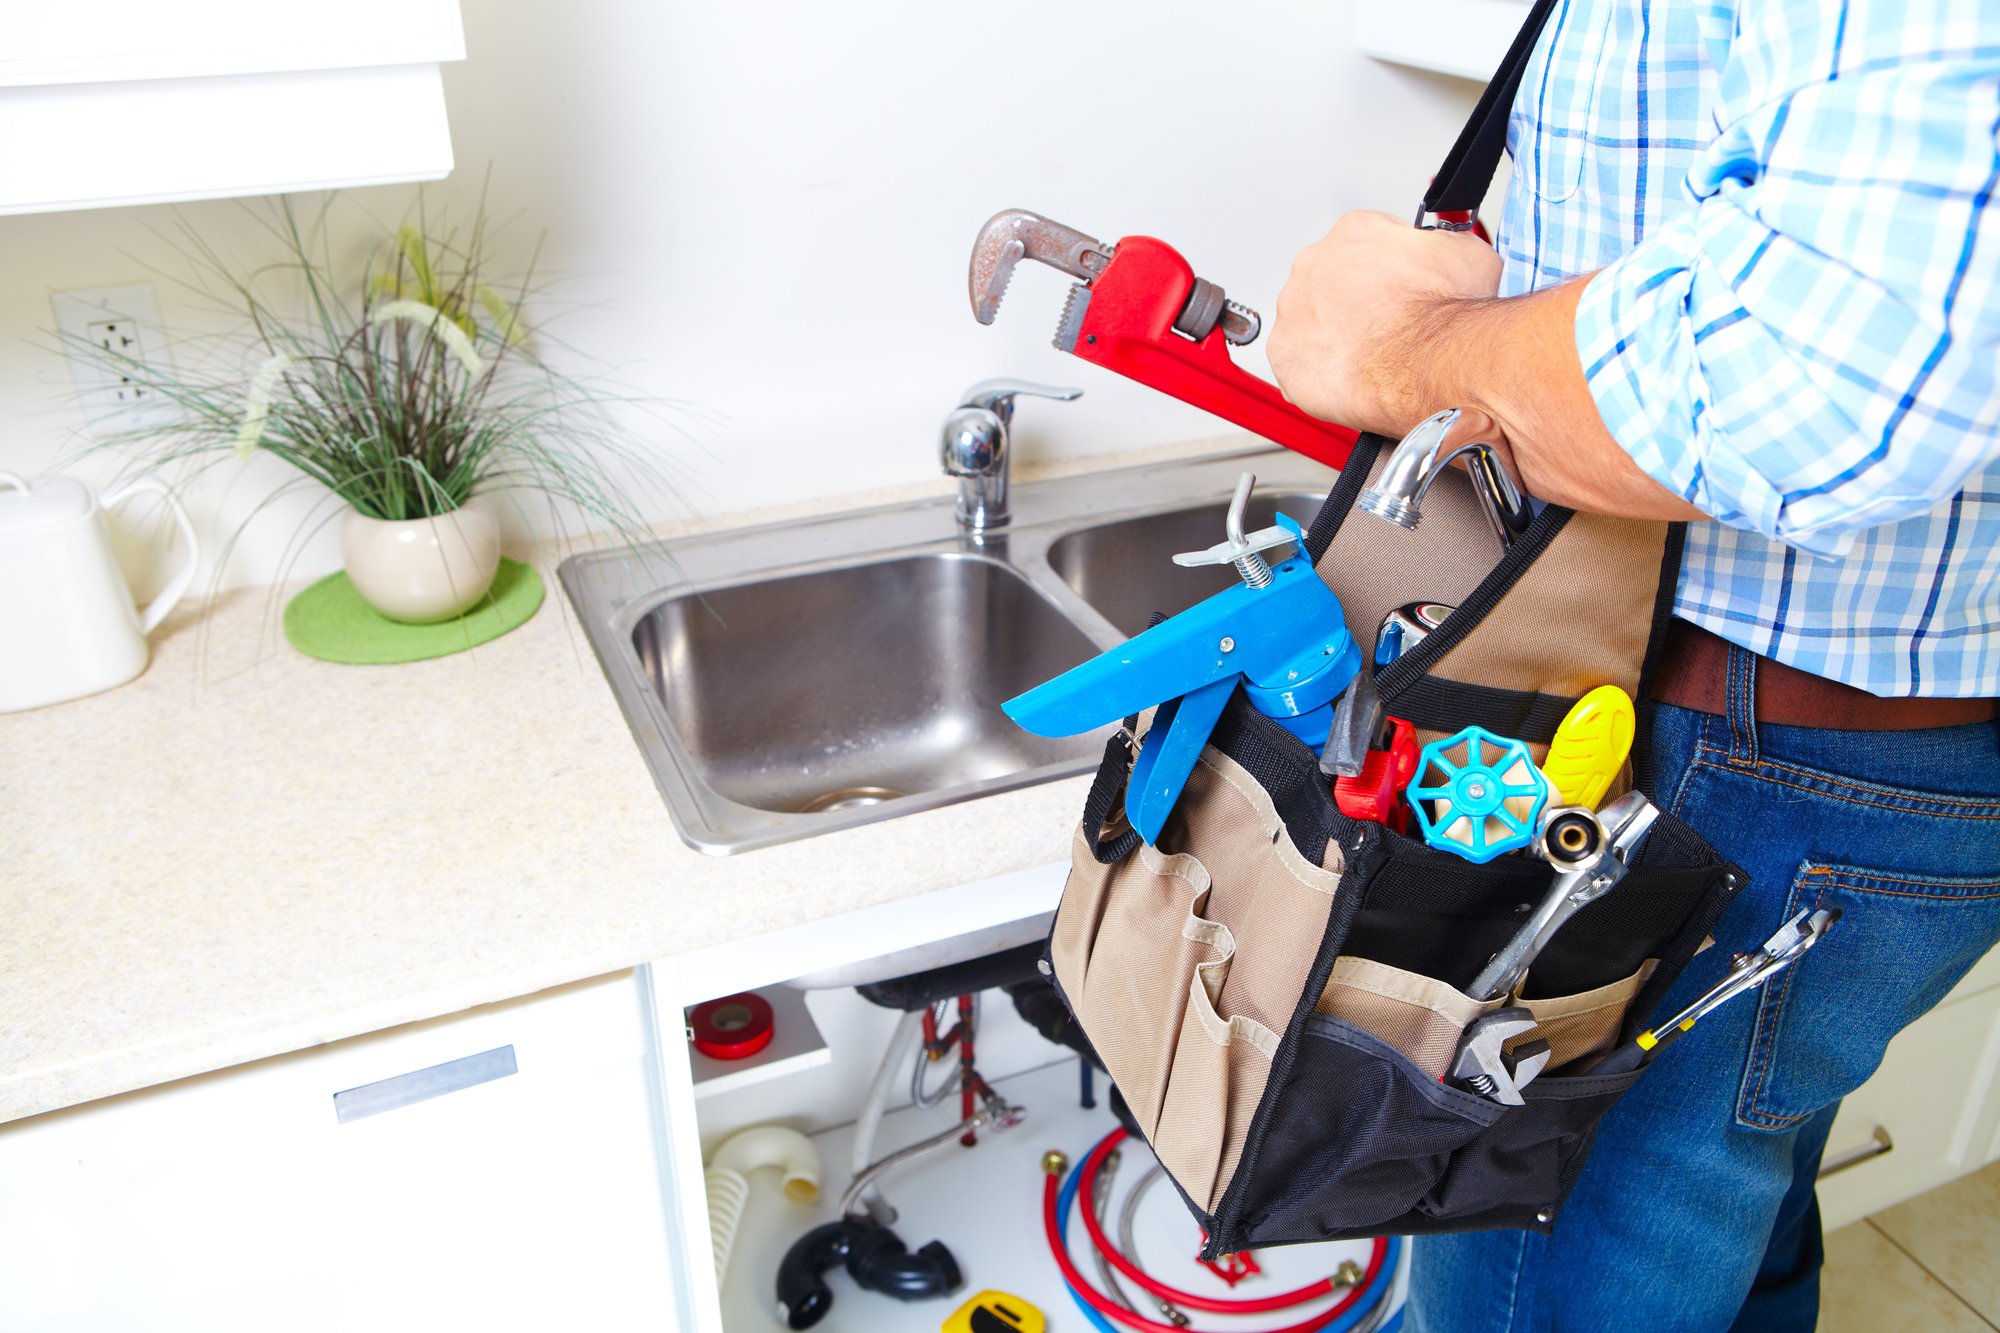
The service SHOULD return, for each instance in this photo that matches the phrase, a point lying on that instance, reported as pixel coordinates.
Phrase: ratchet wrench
(1626, 821)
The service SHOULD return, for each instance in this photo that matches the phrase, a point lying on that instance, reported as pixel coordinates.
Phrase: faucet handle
(1241, 550)
(997, 395)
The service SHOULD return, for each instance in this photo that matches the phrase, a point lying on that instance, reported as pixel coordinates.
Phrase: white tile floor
(1932, 1264)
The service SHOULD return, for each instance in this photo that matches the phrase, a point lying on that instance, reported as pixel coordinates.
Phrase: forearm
(1513, 362)
(1382, 324)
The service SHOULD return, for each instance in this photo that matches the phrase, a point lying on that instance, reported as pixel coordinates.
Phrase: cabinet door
(529, 1199)
(1925, 1117)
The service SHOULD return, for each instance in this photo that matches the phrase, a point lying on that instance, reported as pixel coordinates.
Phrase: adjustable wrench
(1482, 1063)
(1138, 308)
(1627, 821)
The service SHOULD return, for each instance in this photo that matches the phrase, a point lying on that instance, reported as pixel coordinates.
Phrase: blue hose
(1377, 1291)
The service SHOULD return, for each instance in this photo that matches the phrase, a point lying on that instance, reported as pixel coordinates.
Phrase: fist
(1348, 335)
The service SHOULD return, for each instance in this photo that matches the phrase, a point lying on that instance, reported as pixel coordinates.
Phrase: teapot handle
(156, 610)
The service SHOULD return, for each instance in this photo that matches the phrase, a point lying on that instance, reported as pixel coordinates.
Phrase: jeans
(1696, 1209)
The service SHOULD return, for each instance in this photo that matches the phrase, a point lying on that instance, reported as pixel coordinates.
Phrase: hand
(1348, 340)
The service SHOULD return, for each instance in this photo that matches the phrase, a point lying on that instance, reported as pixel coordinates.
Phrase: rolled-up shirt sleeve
(1811, 350)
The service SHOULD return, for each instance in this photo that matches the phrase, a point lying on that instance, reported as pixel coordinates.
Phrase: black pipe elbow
(887, 1266)
(876, 1259)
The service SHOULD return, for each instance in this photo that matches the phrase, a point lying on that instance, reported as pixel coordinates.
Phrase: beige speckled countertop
(246, 851)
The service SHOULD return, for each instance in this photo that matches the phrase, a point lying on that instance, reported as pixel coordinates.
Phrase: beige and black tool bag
(1277, 990)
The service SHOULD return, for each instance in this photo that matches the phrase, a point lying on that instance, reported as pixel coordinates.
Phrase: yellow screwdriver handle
(1590, 746)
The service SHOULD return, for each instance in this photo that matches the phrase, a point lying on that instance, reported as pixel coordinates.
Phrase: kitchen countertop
(246, 851)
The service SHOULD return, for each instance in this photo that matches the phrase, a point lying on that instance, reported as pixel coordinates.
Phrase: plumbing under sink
(846, 688)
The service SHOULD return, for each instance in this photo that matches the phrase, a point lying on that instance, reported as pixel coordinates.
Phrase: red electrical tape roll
(734, 1027)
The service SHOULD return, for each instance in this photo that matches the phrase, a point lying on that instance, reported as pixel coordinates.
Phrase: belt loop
(1742, 706)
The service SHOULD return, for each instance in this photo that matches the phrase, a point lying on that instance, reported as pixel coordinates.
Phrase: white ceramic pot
(67, 624)
(422, 570)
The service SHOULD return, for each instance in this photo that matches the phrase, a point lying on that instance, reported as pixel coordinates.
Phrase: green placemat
(331, 622)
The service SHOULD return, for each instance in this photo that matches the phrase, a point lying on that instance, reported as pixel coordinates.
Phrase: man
(1746, 278)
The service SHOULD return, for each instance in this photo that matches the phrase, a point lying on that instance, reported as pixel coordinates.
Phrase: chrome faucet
(974, 447)
(1416, 463)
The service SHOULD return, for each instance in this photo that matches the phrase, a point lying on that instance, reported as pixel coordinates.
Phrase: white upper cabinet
(134, 102)
(1465, 38)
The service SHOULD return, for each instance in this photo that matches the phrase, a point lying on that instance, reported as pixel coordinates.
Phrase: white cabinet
(1466, 38)
(531, 1200)
(139, 101)
(568, 1193)
(1930, 1114)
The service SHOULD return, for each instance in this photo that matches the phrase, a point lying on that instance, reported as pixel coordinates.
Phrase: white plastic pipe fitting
(728, 1179)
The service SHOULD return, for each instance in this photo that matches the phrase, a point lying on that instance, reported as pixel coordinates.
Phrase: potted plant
(413, 392)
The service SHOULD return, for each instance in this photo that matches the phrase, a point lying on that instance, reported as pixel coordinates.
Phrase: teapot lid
(49, 503)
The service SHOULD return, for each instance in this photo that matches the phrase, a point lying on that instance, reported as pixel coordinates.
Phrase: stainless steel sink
(793, 679)
(1125, 569)
(847, 688)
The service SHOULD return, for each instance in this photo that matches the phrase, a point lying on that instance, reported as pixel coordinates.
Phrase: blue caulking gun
(1279, 633)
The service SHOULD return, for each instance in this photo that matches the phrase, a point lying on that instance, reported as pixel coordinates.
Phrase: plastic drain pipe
(728, 1180)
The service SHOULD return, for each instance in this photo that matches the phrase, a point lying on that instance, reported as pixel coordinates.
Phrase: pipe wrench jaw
(1014, 234)
(1138, 309)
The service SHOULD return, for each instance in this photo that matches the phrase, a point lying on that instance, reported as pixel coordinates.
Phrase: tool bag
(1276, 989)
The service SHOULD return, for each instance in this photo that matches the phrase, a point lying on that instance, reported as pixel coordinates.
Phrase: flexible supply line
(1284, 1300)
(1128, 1216)
(728, 1180)
(1100, 1198)
(997, 1115)
(1341, 1317)
(908, 1031)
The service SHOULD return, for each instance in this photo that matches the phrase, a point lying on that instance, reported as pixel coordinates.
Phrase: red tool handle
(1129, 328)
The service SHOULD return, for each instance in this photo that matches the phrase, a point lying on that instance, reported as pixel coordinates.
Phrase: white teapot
(67, 624)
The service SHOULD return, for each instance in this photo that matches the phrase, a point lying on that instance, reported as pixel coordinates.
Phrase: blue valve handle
(1471, 806)
(1286, 643)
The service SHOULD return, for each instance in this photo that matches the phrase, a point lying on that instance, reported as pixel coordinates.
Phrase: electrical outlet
(104, 330)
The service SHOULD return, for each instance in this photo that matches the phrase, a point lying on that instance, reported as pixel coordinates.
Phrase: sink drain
(849, 798)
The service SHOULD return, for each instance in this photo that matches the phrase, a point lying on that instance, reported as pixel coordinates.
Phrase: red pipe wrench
(1138, 308)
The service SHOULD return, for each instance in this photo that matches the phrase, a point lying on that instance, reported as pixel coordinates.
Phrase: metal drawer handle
(420, 1085)
(1878, 1143)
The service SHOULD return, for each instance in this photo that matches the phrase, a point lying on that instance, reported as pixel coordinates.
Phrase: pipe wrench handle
(1128, 327)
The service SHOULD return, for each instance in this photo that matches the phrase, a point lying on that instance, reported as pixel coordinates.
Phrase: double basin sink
(797, 678)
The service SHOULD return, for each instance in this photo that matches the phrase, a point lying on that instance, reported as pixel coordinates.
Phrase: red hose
(1098, 1300)
(1191, 1300)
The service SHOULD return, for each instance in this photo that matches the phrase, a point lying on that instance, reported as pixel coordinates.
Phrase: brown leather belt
(1694, 673)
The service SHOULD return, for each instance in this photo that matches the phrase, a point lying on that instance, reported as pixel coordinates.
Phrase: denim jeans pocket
(1823, 1023)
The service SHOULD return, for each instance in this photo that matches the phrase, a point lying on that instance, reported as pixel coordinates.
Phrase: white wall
(765, 210)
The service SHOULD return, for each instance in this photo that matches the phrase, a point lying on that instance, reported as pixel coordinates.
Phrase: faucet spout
(1398, 494)
(974, 447)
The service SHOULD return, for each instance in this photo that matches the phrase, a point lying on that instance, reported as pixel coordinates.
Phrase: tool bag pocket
(1276, 990)
(1279, 991)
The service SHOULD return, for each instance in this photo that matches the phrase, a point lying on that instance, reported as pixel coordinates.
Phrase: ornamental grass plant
(402, 386)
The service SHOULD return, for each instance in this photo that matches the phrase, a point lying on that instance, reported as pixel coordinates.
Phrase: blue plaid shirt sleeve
(1809, 351)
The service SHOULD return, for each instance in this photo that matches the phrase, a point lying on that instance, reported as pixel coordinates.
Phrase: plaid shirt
(1796, 325)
